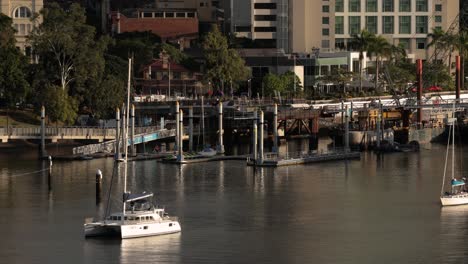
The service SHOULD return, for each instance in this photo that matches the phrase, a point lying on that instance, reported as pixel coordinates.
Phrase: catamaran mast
(127, 116)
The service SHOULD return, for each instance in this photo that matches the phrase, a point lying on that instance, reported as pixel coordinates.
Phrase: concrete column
(220, 148)
(98, 186)
(162, 122)
(191, 129)
(378, 129)
(132, 132)
(346, 129)
(117, 134)
(180, 154)
(254, 137)
(275, 129)
(43, 150)
(261, 124)
(419, 80)
(177, 109)
(457, 78)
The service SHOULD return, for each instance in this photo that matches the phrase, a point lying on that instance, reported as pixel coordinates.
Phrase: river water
(374, 210)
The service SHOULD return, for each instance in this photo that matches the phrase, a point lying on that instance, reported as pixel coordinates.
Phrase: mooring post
(261, 124)
(132, 132)
(191, 128)
(220, 148)
(275, 129)
(254, 137)
(98, 186)
(177, 109)
(180, 155)
(378, 129)
(382, 121)
(419, 68)
(161, 123)
(43, 150)
(457, 78)
(117, 134)
(346, 129)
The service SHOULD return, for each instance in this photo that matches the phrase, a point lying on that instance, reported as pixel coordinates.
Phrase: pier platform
(190, 159)
(306, 158)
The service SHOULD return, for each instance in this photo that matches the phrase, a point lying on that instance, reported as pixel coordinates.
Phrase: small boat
(140, 220)
(457, 194)
(207, 152)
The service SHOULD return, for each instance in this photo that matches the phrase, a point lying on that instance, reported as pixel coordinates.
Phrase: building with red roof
(178, 26)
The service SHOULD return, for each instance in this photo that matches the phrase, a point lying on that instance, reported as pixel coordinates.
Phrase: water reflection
(157, 249)
(453, 233)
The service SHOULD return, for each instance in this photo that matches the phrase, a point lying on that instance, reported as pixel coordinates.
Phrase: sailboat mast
(453, 141)
(127, 116)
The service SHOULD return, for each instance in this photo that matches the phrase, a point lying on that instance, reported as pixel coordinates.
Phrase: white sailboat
(140, 218)
(457, 194)
(207, 150)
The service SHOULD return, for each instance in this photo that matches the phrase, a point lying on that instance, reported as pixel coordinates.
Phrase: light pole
(249, 91)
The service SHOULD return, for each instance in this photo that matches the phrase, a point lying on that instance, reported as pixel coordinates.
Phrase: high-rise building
(264, 21)
(21, 12)
(330, 24)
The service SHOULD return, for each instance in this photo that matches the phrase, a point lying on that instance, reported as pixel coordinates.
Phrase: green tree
(59, 105)
(361, 42)
(379, 48)
(438, 37)
(222, 64)
(283, 83)
(13, 66)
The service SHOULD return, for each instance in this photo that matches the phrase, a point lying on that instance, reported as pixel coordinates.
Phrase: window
(146, 14)
(421, 5)
(339, 5)
(438, 19)
(22, 29)
(405, 25)
(325, 32)
(371, 24)
(22, 12)
(405, 6)
(371, 5)
(325, 44)
(158, 14)
(421, 43)
(265, 5)
(354, 6)
(404, 43)
(325, 20)
(180, 14)
(354, 25)
(190, 14)
(325, 9)
(387, 25)
(388, 5)
(438, 8)
(421, 24)
(265, 17)
(265, 29)
(339, 43)
(242, 29)
(169, 14)
(339, 25)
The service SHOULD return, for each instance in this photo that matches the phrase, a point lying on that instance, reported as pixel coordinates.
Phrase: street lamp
(249, 91)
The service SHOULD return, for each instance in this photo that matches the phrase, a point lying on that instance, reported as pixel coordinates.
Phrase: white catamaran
(457, 194)
(140, 218)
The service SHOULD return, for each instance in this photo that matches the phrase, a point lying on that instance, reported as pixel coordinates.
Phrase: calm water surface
(376, 210)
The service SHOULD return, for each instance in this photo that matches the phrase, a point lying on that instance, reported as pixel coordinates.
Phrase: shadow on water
(453, 233)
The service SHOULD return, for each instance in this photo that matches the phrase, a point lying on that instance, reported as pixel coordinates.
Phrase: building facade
(405, 22)
(265, 21)
(21, 11)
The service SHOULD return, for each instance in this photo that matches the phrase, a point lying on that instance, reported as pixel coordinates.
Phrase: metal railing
(68, 131)
(302, 154)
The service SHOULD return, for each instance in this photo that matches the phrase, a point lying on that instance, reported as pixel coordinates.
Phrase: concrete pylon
(117, 134)
(346, 129)
(260, 152)
(191, 129)
(180, 154)
(254, 137)
(220, 148)
(275, 129)
(43, 150)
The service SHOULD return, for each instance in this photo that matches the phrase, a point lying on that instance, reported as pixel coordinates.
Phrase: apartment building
(21, 12)
(264, 21)
(330, 24)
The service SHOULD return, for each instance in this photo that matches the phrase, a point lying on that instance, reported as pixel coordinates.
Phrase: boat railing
(172, 218)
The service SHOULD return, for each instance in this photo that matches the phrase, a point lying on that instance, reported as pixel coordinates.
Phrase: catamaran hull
(132, 231)
(149, 229)
(454, 200)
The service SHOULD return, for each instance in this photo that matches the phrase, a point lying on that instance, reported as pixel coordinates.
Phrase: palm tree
(360, 42)
(438, 37)
(379, 47)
